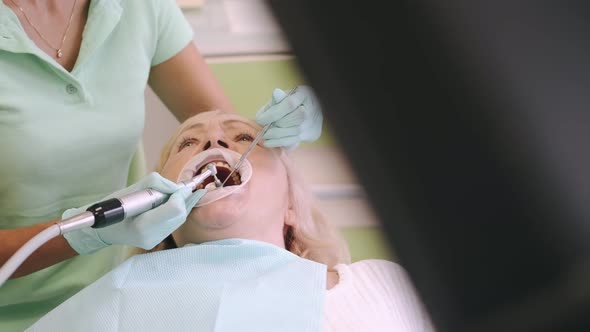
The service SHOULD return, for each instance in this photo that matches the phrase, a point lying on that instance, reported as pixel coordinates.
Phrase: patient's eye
(244, 137)
(187, 142)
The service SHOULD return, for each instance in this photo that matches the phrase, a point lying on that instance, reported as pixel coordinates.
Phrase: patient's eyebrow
(191, 127)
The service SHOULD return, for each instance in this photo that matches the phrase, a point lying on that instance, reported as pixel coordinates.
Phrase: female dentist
(72, 83)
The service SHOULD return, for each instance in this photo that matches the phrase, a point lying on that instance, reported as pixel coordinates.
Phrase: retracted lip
(222, 159)
(224, 170)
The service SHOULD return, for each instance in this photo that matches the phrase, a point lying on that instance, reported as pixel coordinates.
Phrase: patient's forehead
(216, 116)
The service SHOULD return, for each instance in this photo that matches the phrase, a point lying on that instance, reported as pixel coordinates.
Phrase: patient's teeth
(236, 178)
(222, 164)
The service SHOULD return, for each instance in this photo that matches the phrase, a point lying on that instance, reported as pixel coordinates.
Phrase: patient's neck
(268, 235)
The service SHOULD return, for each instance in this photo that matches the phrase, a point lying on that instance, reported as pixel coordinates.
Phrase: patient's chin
(216, 216)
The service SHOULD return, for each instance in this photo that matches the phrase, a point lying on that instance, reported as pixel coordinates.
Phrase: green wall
(367, 242)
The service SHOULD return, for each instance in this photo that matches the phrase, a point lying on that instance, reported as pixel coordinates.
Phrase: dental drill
(101, 214)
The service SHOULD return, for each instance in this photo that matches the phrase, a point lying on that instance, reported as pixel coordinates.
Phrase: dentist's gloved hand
(145, 230)
(296, 118)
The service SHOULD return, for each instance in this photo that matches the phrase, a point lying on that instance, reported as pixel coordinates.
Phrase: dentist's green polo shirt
(69, 138)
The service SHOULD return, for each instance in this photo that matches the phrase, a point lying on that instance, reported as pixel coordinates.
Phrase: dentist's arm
(54, 251)
(187, 86)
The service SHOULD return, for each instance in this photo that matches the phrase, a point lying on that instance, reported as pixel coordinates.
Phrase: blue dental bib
(226, 285)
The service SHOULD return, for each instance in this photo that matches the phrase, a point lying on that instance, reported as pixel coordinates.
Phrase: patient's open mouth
(223, 171)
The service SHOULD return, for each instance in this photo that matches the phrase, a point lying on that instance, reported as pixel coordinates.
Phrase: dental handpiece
(114, 210)
(102, 214)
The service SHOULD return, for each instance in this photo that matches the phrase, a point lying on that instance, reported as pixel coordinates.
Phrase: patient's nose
(215, 144)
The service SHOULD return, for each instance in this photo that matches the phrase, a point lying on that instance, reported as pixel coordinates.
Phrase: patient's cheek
(165, 174)
(171, 172)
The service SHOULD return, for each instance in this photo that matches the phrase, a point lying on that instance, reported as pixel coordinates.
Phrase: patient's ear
(290, 217)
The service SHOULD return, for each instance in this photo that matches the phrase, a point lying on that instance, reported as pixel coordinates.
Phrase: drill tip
(212, 168)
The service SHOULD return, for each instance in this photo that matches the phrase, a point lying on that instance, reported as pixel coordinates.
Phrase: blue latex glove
(145, 230)
(295, 118)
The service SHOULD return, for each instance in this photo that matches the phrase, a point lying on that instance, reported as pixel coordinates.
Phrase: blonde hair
(313, 237)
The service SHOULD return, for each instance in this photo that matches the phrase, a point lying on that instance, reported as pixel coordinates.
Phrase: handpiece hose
(99, 215)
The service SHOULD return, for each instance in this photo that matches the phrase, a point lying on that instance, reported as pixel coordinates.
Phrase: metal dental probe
(252, 145)
(245, 154)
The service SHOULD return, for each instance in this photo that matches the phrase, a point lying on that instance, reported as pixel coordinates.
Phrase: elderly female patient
(253, 255)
